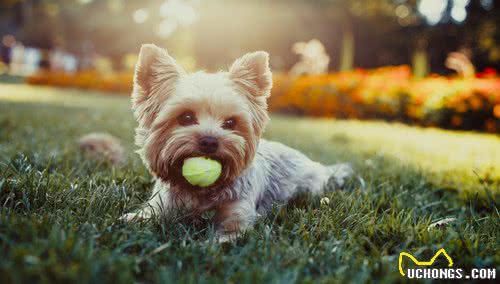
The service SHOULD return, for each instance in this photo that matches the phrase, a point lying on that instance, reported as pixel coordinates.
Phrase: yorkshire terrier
(220, 116)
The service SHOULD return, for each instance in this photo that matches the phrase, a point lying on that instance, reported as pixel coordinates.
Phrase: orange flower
(476, 103)
(456, 120)
(385, 92)
(496, 111)
(490, 126)
(461, 107)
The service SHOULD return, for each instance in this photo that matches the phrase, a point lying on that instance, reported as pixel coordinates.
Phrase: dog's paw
(226, 238)
(135, 216)
(340, 173)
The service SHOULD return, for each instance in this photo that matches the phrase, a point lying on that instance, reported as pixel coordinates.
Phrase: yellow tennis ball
(201, 171)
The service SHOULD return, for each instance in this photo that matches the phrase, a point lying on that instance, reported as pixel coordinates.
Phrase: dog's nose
(208, 144)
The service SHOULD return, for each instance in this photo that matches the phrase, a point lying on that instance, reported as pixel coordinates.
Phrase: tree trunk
(420, 60)
(347, 50)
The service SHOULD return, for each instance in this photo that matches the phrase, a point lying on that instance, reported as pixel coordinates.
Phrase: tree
(351, 13)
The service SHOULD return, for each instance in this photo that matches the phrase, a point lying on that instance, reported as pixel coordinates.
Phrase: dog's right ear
(251, 73)
(156, 74)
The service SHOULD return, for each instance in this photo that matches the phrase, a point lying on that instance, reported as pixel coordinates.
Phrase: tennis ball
(201, 171)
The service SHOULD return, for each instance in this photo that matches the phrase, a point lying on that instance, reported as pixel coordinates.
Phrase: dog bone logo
(423, 263)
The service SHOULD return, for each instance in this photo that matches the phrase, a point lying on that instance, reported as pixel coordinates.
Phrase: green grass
(58, 210)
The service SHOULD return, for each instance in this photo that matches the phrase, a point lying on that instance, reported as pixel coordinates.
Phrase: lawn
(59, 210)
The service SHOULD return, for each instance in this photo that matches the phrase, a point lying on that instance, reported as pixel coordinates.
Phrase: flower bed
(114, 82)
(388, 93)
(391, 93)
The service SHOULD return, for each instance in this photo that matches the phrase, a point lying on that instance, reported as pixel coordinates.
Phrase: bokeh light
(166, 28)
(402, 11)
(140, 16)
(432, 10)
(182, 12)
(459, 12)
(487, 4)
(84, 1)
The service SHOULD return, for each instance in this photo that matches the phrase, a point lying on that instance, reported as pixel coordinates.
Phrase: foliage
(385, 93)
(110, 82)
(391, 93)
(388, 93)
(58, 213)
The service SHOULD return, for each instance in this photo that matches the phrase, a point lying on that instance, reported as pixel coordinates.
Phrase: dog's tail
(103, 146)
(340, 173)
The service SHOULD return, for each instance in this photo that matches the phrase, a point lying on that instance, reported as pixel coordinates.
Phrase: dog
(221, 116)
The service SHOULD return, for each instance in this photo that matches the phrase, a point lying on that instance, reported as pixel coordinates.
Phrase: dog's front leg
(159, 203)
(235, 216)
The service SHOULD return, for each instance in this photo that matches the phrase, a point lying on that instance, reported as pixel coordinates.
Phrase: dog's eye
(186, 118)
(229, 123)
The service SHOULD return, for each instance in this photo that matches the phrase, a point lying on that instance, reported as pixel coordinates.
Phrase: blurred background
(425, 62)
(407, 91)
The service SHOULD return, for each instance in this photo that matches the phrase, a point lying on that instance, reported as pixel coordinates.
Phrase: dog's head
(220, 116)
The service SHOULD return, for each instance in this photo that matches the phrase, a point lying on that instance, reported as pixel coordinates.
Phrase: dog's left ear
(251, 73)
(156, 74)
(155, 66)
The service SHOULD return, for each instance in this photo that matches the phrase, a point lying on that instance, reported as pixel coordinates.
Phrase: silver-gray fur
(276, 174)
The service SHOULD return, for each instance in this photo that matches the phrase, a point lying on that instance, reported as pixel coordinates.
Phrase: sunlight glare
(166, 28)
(181, 11)
(140, 16)
(459, 12)
(432, 10)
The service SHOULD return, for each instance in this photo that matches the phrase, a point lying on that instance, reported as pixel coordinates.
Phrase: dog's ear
(156, 74)
(251, 73)
(155, 66)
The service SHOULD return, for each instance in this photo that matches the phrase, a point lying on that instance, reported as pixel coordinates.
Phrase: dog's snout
(208, 144)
